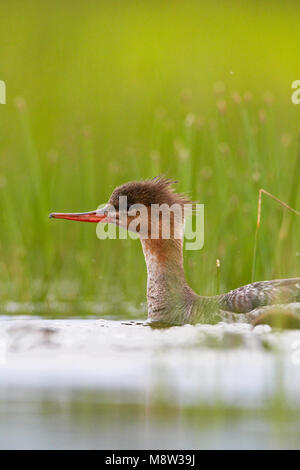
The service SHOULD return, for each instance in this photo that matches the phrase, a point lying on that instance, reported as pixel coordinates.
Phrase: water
(59, 425)
(110, 384)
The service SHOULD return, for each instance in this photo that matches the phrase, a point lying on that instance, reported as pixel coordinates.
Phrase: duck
(137, 207)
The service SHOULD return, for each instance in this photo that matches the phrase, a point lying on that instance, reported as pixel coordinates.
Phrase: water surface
(102, 383)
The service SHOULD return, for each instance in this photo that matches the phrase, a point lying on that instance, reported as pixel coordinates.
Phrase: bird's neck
(169, 297)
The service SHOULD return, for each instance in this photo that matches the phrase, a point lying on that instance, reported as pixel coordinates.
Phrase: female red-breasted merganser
(170, 299)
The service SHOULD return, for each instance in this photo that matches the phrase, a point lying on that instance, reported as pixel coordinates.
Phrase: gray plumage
(259, 294)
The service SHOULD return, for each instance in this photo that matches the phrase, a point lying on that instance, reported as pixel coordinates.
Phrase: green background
(99, 93)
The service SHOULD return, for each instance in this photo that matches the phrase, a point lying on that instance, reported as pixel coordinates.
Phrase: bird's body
(170, 299)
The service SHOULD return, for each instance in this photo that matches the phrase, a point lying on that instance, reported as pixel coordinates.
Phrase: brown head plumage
(158, 190)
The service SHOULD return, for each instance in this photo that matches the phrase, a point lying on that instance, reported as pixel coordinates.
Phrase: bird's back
(261, 294)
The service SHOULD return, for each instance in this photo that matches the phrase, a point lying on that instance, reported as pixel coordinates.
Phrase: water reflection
(93, 383)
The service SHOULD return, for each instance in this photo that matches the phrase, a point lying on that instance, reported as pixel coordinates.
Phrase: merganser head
(154, 211)
(139, 206)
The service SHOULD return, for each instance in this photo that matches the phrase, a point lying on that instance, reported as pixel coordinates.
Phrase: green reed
(102, 105)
